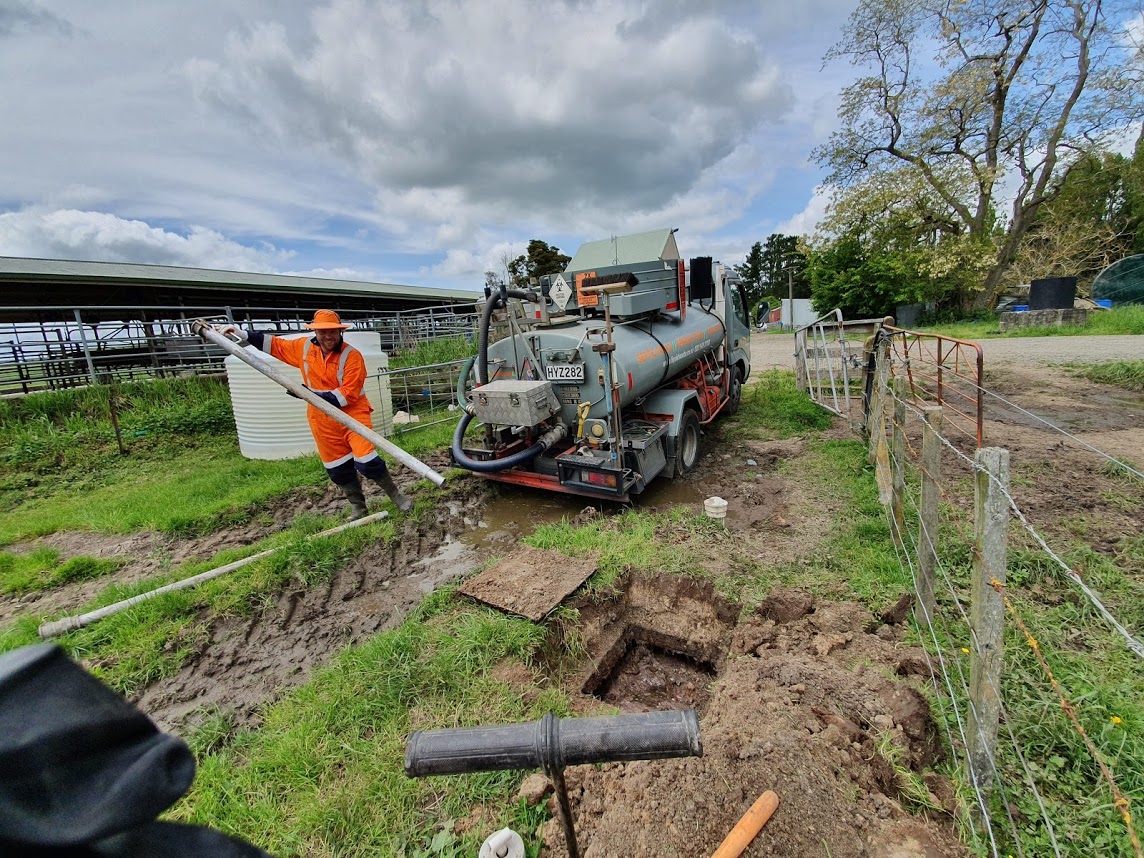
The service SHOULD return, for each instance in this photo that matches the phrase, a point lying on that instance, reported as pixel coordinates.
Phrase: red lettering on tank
(649, 354)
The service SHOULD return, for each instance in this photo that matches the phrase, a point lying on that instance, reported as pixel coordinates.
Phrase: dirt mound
(810, 706)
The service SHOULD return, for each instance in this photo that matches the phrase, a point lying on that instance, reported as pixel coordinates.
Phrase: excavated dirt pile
(809, 699)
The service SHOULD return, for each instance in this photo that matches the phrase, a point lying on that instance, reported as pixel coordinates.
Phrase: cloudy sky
(412, 142)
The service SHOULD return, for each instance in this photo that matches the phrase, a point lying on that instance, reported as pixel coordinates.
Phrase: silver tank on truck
(647, 354)
(606, 382)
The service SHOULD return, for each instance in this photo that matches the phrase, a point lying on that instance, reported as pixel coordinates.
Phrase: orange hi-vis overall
(343, 374)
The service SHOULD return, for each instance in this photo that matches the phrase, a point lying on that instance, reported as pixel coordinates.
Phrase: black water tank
(1052, 293)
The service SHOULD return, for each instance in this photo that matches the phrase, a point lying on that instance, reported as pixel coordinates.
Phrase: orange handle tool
(748, 826)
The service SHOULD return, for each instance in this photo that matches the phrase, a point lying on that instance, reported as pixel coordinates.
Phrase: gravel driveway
(777, 350)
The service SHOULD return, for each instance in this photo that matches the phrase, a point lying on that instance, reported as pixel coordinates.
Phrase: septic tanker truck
(606, 382)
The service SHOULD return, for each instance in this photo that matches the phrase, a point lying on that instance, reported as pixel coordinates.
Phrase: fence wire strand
(1120, 801)
(922, 530)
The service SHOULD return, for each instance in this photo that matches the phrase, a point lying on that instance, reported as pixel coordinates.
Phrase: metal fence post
(86, 348)
(932, 417)
(800, 360)
(987, 610)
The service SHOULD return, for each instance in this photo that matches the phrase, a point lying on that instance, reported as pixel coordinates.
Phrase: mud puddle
(248, 662)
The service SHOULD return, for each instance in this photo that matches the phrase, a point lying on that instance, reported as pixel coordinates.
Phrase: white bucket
(715, 507)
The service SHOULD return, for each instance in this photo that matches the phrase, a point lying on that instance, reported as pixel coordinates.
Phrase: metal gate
(824, 362)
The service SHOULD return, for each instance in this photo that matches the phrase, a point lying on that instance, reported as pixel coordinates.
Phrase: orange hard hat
(326, 320)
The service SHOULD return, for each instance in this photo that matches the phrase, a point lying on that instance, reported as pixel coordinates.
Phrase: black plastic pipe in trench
(553, 743)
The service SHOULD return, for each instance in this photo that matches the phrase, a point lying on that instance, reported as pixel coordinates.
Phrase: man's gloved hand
(232, 332)
(327, 395)
(324, 394)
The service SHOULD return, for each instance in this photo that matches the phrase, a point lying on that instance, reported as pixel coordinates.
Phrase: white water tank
(272, 424)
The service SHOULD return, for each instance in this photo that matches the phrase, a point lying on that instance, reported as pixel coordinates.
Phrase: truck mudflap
(584, 473)
(547, 482)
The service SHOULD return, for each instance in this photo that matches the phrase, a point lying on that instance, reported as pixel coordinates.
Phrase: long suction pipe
(302, 392)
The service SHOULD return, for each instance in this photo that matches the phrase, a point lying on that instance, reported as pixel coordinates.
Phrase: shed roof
(13, 267)
(53, 283)
(626, 250)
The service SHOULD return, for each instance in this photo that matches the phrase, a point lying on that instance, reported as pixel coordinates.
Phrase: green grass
(1126, 319)
(773, 407)
(1128, 374)
(632, 540)
(324, 775)
(1099, 675)
(52, 431)
(435, 351)
(153, 639)
(186, 492)
(41, 569)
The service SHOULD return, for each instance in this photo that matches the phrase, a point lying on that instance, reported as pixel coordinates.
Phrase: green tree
(750, 271)
(540, 259)
(1086, 226)
(1095, 217)
(863, 281)
(772, 267)
(1015, 89)
(784, 266)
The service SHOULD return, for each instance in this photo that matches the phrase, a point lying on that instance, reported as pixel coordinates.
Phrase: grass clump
(773, 407)
(1125, 319)
(325, 773)
(429, 352)
(1128, 374)
(41, 569)
(632, 540)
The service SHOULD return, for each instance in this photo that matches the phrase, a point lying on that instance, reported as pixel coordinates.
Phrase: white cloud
(406, 139)
(806, 221)
(543, 112)
(72, 234)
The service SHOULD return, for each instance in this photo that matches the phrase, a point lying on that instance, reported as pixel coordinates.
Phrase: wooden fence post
(987, 610)
(898, 465)
(876, 421)
(928, 509)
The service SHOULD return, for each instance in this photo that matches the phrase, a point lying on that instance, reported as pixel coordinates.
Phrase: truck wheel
(687, 444)
(735, 396)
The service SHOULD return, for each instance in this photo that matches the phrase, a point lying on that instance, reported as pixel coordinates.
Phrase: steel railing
(156, 342)
(942, 371)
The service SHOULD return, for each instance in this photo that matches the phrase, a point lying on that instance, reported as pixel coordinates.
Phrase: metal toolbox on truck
(515, 403)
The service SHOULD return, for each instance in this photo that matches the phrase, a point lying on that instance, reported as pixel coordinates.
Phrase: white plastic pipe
(302, 392)
(68, 624)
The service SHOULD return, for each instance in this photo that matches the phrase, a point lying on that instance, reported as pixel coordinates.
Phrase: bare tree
(984, 102)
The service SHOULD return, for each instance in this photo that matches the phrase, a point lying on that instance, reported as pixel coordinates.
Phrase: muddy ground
(794, 695)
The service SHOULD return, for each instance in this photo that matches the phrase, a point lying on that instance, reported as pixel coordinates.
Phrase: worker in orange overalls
(336, 371)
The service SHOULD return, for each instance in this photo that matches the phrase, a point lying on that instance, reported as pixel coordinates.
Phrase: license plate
(564, 371)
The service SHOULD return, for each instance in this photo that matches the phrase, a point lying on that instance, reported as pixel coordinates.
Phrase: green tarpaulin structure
(1121, 282)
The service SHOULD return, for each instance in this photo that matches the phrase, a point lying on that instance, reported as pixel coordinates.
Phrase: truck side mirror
(761, 314)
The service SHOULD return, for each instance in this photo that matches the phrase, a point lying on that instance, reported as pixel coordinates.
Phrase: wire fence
(1040, 712)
